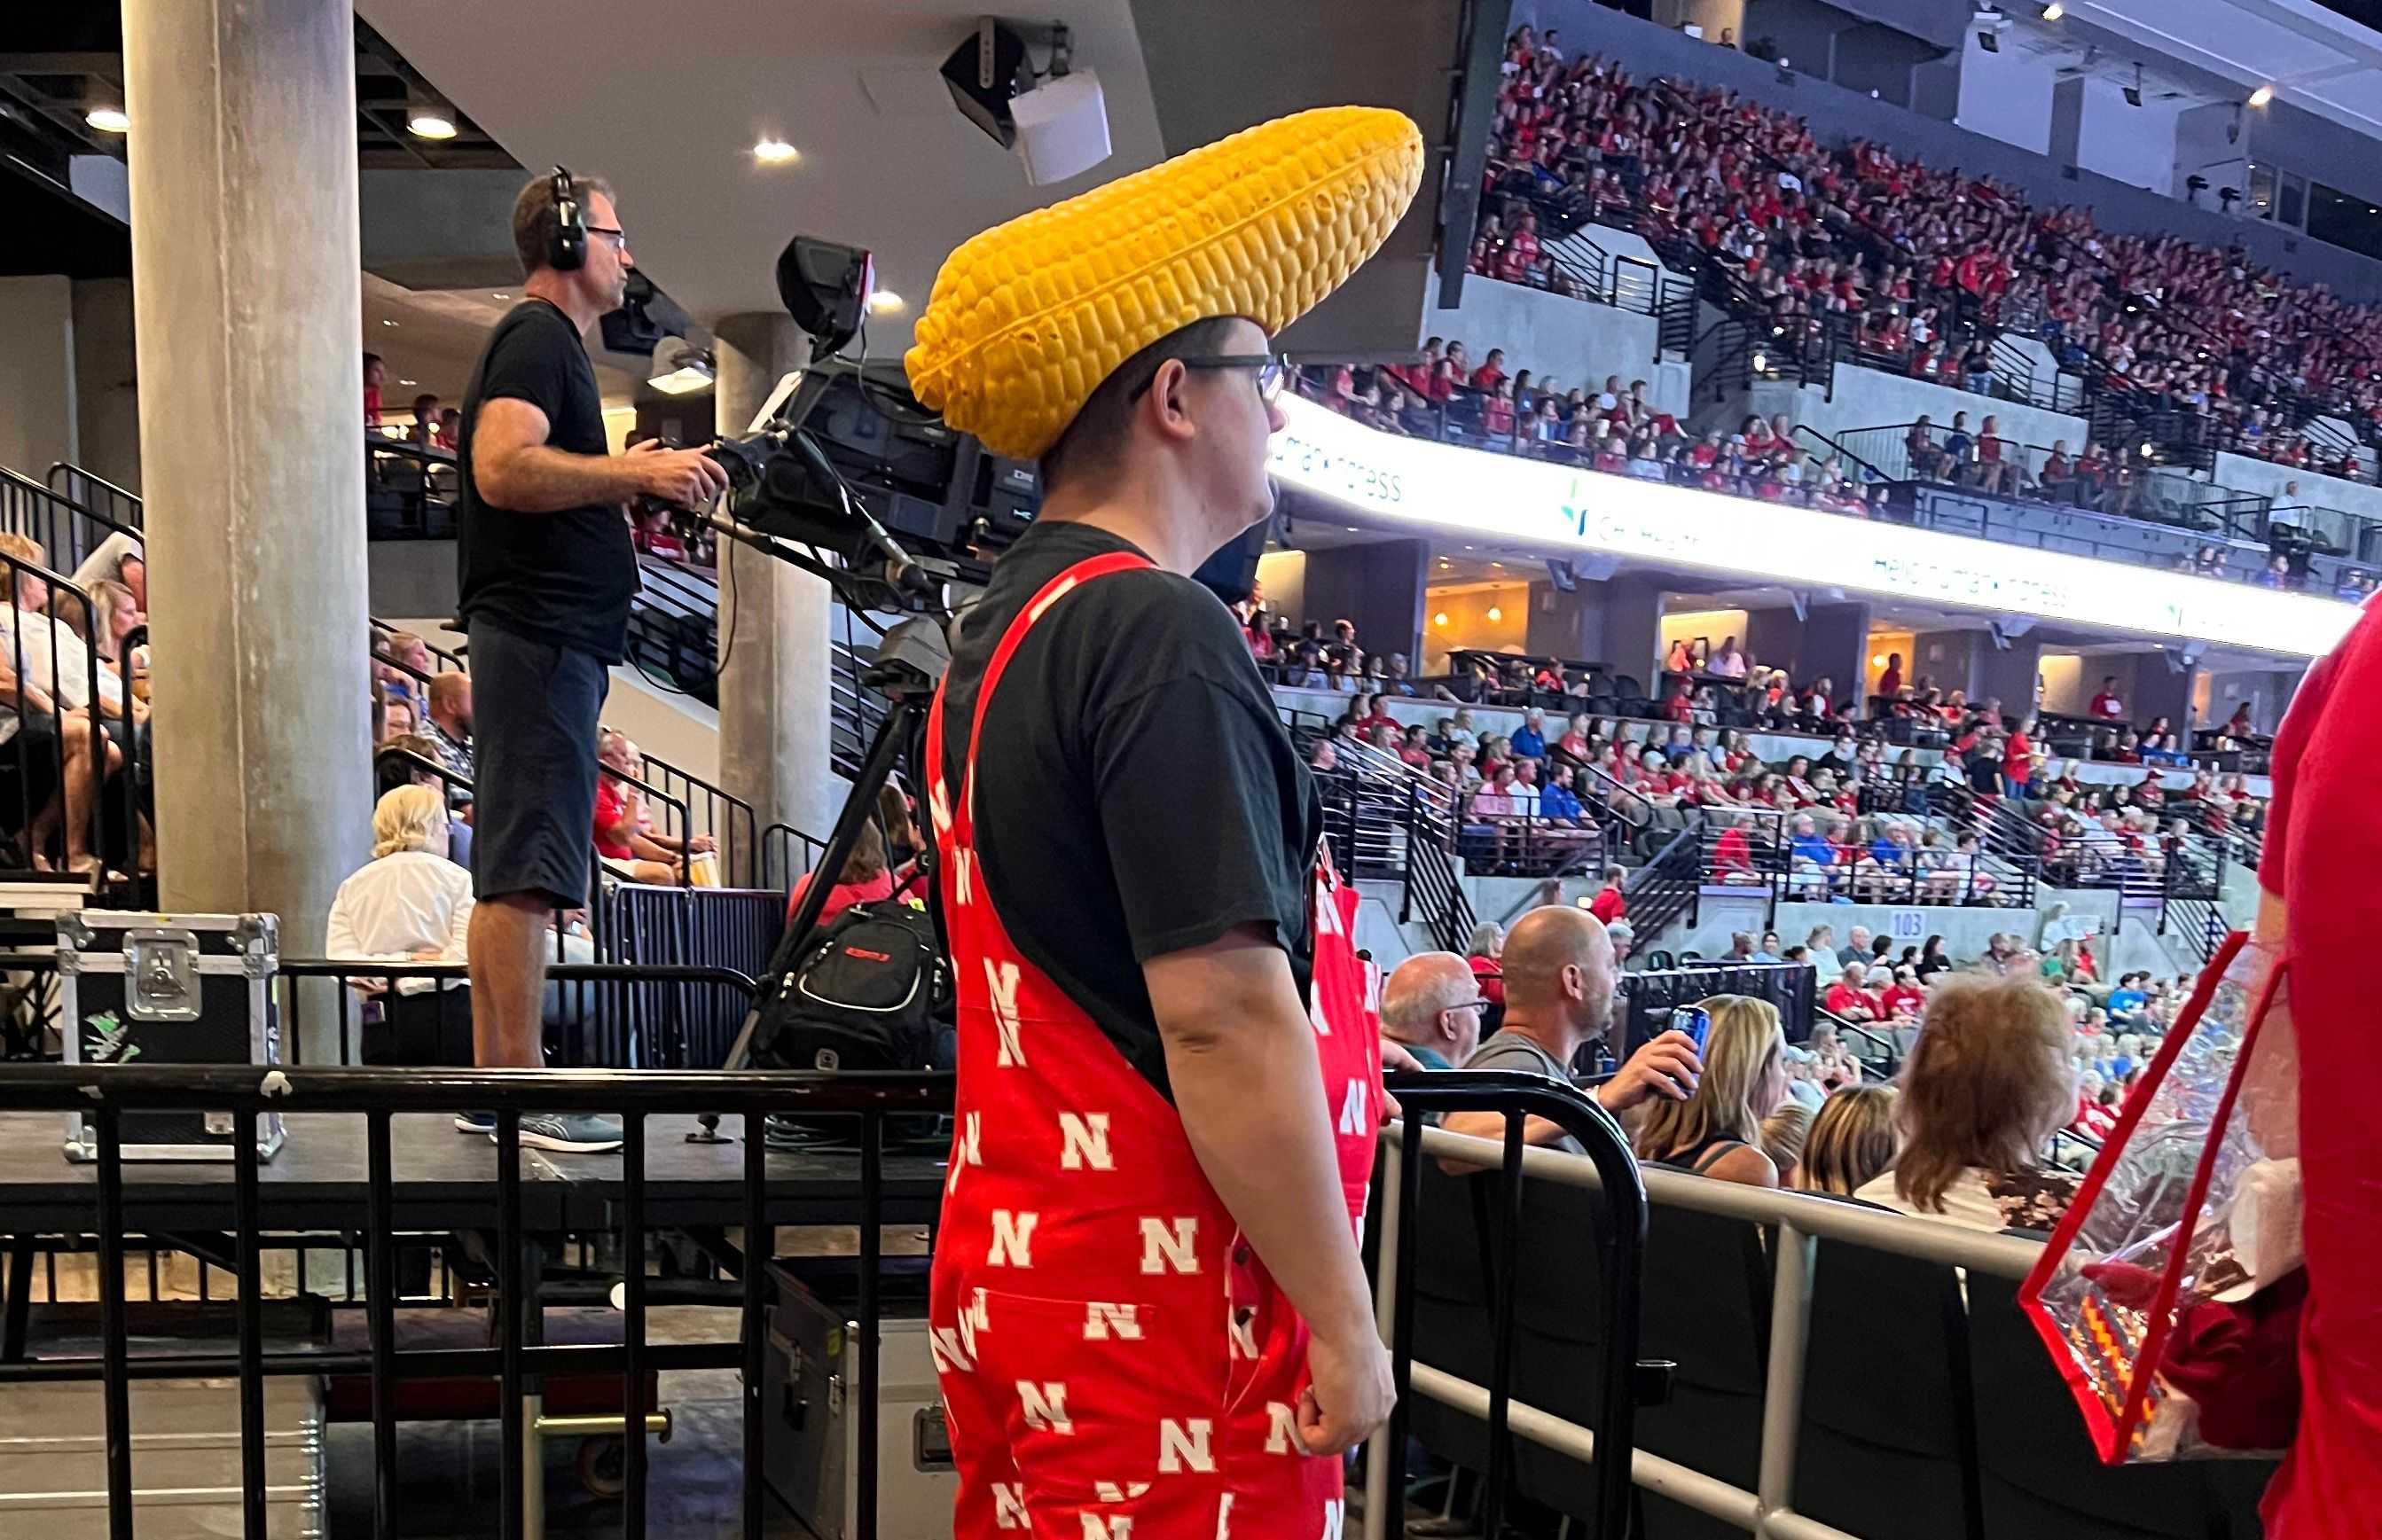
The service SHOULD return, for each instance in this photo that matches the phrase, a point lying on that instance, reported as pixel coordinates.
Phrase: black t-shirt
(567, 577)
(1137, 794)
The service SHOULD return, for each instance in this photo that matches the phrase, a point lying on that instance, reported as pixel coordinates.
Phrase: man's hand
(1351, 1394)
(687, 478)
(700, 844)
(1666, 1067)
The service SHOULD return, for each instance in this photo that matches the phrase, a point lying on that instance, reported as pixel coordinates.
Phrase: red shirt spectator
(1678, 708)
(1853, 1005)
(843, 896)
(1899, 995)
(2106, 705)
(1608, 905)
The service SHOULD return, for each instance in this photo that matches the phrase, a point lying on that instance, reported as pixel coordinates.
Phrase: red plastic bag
(2169, 1294)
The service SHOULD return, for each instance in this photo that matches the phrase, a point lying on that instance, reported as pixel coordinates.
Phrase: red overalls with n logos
(1116, 1361)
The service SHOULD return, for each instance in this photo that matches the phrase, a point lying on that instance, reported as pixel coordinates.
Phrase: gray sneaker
(571, 1133)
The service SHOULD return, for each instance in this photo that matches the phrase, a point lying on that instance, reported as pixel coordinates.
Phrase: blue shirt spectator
(2126, 1000)
(1813, 848)
(1556, 801)
(1528, 742)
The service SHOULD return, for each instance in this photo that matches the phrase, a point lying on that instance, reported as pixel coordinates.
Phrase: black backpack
(869, 991)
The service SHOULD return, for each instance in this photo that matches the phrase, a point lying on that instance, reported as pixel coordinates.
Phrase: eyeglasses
(1273, 371)
(1481, 1004)
(619, 238)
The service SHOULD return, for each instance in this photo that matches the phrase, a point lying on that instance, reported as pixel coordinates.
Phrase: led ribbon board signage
(1477, 493)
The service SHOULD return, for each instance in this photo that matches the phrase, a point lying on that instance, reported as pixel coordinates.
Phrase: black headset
(566, 250)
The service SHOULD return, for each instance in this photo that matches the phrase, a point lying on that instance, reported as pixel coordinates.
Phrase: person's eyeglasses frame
(619, 238)
(1273, 371)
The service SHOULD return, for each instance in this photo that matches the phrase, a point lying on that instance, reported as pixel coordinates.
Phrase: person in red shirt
(376, 372)
(1904, 995)
(1609, 904)
(1849, 999)
(865, 880)
(2106, 705)
(1991, 473)
(1679, 707)
(1889, 684)
(1492, 372)
(2018, 759)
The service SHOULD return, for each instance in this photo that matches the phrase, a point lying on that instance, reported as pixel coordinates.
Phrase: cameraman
(547, 572)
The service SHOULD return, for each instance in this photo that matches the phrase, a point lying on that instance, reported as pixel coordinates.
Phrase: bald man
(1431, 1004)
(1559, 981)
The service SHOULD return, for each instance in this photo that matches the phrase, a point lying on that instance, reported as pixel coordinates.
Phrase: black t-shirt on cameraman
(567, 577)
(1136, 794)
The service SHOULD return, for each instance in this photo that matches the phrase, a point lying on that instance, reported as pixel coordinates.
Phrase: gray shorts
(535, 708)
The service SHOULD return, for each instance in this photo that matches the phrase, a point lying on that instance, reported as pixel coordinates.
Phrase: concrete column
(1835, 647)
(773, 623)
(1379, 585)
(1631, 644)
(2161, 689)
(2010, 675)
(248, 312)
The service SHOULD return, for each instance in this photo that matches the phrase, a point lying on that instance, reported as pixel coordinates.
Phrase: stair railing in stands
(103, 497)
(67, 531)
(1433, 889)
(1669, 884)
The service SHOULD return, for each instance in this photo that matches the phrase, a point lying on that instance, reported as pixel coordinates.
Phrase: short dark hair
(534, 222)
(1091, 443)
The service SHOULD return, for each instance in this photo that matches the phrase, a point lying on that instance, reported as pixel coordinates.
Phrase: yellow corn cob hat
(1028, 318)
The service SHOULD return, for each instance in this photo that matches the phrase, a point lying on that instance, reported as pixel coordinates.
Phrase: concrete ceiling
(2316, 59)
(667, 104)
(437, 336)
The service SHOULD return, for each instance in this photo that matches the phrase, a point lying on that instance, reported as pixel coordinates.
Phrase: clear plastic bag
(2176, 1270)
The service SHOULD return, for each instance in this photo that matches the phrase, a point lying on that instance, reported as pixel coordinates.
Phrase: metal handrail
(1801, 1220)
(1621, 1214)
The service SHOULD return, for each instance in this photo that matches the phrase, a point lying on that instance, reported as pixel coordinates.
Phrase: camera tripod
(909, 662)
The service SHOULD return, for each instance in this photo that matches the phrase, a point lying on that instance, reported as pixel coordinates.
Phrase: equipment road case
(811, 1436)
(169, 989)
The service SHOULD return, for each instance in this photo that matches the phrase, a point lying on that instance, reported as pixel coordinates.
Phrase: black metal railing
(1617, 1218)
(110, 502)
(1433, 888)
(67, 530)
(1667, 886)
(409, 491)
(125, 1201)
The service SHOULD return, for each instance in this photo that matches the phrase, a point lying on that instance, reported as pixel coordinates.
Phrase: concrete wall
(1873, 398)
(108, 391)
(1378, 584)
(2134, 145)
(2244, 473)
(1965, 930)
(2267, 690)
(2004, 96)
(410, 577)
(1565, 340)
(37, 373)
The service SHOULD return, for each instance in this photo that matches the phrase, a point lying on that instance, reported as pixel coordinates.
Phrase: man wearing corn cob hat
(1148, 1314)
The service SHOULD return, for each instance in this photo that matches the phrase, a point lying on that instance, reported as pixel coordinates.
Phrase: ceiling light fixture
(771, 151)
(108, 120)
(387, 323)
(2261, 96)
(429, 123)
(1495, 614)
(1439, 619)
(679, 368)
(2054, 11)
(408, 381)
(884, 301)
(504, 296)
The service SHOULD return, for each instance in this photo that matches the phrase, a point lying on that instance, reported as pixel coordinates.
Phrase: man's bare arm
(1240, 1053)
(514, 468)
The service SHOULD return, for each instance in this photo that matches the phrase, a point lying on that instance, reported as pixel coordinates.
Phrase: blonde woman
(1717, 1132)
(410, 903)
(1986, 1085)
(1851, 1142)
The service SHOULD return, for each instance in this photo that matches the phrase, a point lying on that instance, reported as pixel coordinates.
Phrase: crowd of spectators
(74, 711)
(1992, 1061)
(1920, 264)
